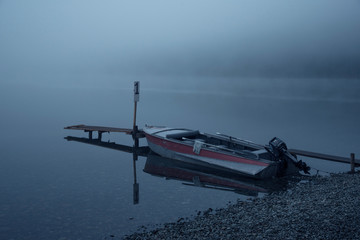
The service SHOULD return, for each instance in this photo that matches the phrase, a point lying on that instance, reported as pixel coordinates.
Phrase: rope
(318, 170)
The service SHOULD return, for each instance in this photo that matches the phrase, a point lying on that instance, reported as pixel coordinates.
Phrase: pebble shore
(318, 208)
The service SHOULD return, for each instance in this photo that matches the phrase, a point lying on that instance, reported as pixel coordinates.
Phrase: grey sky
(232, 38)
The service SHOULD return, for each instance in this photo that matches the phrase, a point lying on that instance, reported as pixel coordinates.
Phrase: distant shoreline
(322, 208)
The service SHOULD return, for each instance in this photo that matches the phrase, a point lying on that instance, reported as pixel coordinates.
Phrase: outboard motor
(280, 151)
(277, 146)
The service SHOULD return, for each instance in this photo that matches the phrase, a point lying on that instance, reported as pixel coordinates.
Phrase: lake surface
(57, 189)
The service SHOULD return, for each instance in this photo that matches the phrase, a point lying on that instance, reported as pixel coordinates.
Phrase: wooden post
(136, 99)
(352, 162)
(99, 135)
(90, 135)
(135, 108)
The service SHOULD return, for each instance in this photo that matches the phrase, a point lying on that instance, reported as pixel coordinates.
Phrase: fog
(250, 69)
(198, 38)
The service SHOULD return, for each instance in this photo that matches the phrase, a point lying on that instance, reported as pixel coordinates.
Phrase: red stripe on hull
(185, 149)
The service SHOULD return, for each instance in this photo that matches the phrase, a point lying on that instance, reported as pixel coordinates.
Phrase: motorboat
(224, 153)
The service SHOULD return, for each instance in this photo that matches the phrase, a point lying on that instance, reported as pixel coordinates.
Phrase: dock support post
(99, 135)
(352, 162)
(90, 135)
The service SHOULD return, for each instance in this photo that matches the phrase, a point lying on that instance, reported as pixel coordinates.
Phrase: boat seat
(261, 153)
(186, 134)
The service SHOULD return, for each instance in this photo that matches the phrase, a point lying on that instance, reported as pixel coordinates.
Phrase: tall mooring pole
(136, 99)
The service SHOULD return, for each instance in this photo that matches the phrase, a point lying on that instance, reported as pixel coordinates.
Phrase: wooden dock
(101, 130)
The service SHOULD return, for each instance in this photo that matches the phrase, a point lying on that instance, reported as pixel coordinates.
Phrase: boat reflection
(189, 174)
(193, 175)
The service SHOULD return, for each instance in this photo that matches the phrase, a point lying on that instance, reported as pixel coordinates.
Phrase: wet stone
(315, 209)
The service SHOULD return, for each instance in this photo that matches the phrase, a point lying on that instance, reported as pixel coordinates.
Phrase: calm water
(53, 189)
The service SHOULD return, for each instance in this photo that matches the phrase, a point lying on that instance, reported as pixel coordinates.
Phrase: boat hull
(211, 159)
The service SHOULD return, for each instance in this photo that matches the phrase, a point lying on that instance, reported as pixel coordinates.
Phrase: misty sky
(313, 38)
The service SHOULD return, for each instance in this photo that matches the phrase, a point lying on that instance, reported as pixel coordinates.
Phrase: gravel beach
(316, 208)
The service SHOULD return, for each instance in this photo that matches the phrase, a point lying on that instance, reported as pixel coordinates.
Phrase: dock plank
(99, 128)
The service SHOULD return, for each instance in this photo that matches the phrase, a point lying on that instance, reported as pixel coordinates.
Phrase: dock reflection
(189, 174)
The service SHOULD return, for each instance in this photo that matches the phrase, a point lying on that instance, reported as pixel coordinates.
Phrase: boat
(224, 153)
